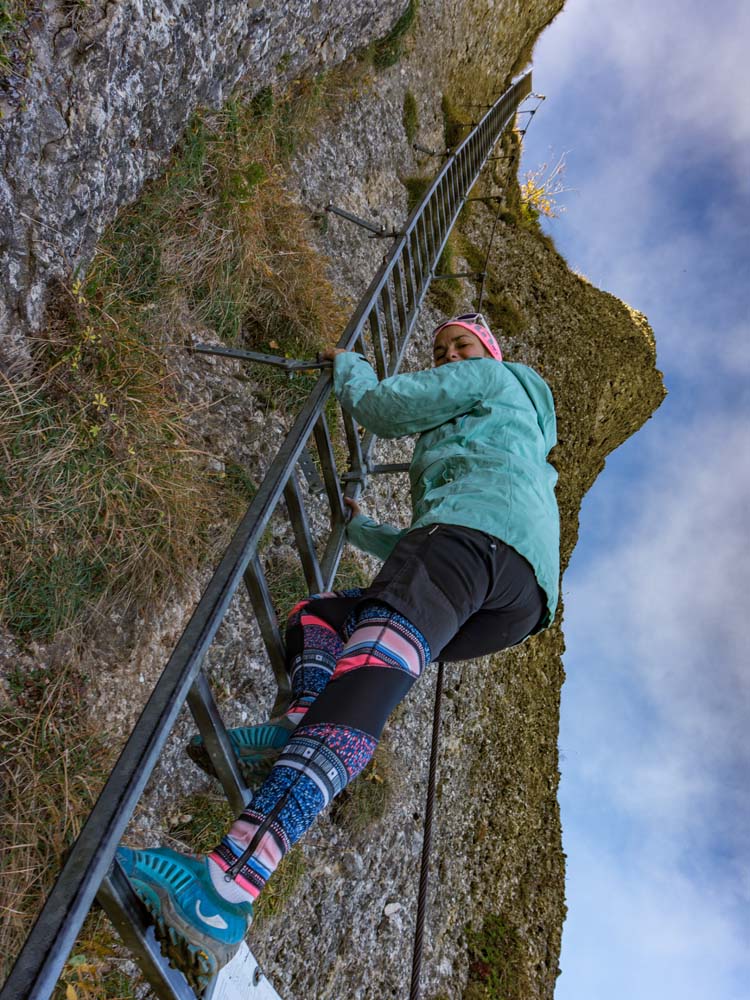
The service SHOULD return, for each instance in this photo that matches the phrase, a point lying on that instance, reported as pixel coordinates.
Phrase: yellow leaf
(70, 993)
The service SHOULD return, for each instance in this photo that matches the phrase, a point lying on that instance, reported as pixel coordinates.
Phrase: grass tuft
(106, 493)
(453, 131)
(12, 15)
(410, 116)
(366, 800)
(53, 766)
(387, 51)
(497, 963)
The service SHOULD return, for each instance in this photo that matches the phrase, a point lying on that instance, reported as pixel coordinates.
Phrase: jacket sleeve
(377, 540)
(411, 403)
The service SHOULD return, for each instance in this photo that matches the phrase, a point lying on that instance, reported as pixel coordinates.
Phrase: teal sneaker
(199, 931)
(256, 748)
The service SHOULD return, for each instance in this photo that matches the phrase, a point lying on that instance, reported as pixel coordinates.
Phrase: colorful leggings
(350, 665)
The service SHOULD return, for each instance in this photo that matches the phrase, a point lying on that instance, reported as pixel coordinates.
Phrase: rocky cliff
(107, 96)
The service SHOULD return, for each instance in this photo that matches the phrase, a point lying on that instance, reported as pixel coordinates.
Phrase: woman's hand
(330, 353)
(353, 506)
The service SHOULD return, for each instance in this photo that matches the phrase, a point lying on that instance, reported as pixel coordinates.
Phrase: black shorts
(467, 592)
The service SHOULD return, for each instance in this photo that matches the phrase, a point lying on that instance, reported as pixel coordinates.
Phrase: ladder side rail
(45, 951)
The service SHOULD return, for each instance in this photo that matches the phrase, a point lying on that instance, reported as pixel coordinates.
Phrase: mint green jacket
(485, 429)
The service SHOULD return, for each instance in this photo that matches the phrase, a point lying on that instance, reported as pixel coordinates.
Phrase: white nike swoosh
(218, 922)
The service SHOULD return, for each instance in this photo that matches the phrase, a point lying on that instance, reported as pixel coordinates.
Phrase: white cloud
(651, 100)
(659, 158)
(656, 711)
(639, 930)
(683, 66)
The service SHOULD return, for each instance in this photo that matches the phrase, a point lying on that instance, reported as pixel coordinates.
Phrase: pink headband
(480, 330)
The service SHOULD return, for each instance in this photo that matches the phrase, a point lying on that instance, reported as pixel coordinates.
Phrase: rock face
(104, 99)
(498, 867)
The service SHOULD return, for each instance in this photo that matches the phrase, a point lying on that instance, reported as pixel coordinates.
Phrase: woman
(476, 571)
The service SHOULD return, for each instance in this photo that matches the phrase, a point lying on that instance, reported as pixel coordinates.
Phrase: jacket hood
(541, 399)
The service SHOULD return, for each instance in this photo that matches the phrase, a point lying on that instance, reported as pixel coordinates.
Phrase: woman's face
(454, 343)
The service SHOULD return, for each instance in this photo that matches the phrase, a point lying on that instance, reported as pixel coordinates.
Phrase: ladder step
(241, 979)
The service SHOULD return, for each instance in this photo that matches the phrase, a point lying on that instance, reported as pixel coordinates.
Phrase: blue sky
(649, 102)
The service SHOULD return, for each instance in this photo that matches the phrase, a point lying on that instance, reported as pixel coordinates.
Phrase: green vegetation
(202, 821)
(91, 972)
(505, 316)
(351, 573)
(524, 204)
(410, 116)
(12, 14)
(453, 131)
(366, 800)
(105, 493)
(53, 767)
(281, 887)
(387, 51)
(497, 963)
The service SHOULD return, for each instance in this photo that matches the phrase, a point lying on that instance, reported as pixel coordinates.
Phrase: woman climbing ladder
(477, 571)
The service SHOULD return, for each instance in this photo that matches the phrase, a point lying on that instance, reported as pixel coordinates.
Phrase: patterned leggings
(350, 665)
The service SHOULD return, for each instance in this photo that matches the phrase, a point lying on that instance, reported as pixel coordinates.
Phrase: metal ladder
(380, 327)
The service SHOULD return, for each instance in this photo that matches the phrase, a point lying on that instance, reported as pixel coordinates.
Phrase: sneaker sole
(197, 963)
(255, 762)
(252, 770)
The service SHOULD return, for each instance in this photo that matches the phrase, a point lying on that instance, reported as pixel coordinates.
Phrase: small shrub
(497, 962)
(453, 130)
(366, 800)
(541, 189)
(388, 50)
(54, 763)
(280, 887)
(410, 116)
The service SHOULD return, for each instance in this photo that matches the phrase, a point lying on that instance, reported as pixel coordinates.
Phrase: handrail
(383, 321)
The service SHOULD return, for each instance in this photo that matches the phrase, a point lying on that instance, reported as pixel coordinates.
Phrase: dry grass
(102, 490)
(53, 767)
(107, 494)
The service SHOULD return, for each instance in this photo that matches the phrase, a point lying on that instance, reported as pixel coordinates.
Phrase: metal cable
(416, 967)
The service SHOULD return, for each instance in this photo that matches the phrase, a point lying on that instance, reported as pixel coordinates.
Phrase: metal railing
(381, 325)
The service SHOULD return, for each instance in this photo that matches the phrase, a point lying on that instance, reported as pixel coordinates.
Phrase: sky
(649, 102)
